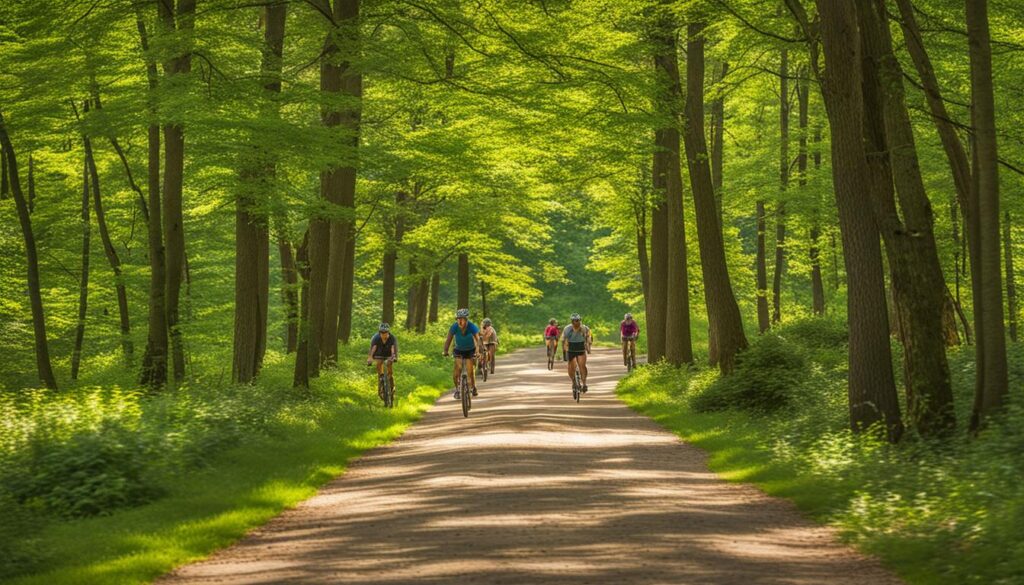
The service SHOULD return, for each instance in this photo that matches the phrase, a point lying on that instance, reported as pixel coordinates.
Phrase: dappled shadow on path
(534, 488)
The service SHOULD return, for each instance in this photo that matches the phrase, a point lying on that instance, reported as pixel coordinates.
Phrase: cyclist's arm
(373, 349)
(394, 351)
(477, 343)
(447, 343)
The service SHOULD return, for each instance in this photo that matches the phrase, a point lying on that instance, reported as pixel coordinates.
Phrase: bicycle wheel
(578, 386)
(389, 393)
(382, 389)
(466, 397)
(551, 359)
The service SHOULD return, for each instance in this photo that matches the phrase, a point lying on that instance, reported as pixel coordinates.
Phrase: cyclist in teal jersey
(576, 341)
(467, 344)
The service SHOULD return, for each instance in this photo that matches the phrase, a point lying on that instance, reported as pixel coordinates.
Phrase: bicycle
(551, 358)
(481, 364)
(577, 381)
(631, 354)
(465, 392)
(384, 387)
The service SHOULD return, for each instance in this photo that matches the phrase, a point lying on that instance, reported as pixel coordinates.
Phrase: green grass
(207, 502)
(935, 513)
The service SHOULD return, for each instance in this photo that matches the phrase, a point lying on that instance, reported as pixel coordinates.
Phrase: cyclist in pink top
(551, 334)
(629, 330)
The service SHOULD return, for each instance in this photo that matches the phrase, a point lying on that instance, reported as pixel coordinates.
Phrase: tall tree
(678, 347)
(780, 207)
(396, 232)
(1011, 286)
(109, 250)
(871, 386)
(341, 75)
(435, 291)
(83, 276)
(991, 335)
(723, 312)
(32, 262)
(177, 22)
(252, 230)
(154, 361)
(906, 225)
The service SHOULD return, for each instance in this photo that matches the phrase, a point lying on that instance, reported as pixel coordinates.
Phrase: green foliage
(199, 466)
(936, 513)
(765, 379)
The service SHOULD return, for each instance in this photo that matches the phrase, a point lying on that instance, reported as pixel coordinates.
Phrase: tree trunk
(390, 258)
(411, 302)
(817, 283)
(31, 183)
(347, 289)
(678, 346)
(289, 294)
(32, 261)
(645, 268)
(305, 358)
(154, 361)
(5, 189)
(110, 251)
(872, 388)
(83, 280)
(175, 20)
(763, 316)
(723, 312)
(463, 290)
(1011, 286)
(340, 186)
(718, 142)
(991, 336)
(780, 208)
(388, 286)
(918, 285)
(435, 291)
(658, 299)
(252, 233)
(483, 299)
(422, 302)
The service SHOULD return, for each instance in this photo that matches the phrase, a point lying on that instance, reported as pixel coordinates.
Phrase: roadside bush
(765, 379)
(94, 473)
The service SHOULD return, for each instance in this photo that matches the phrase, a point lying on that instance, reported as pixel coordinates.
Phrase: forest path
(534, 488)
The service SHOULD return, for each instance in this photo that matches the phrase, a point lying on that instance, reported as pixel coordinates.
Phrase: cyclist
(551, 334)
(467, 344)
(383, 350)
(489, 340)
(629, 330)
(576, 344)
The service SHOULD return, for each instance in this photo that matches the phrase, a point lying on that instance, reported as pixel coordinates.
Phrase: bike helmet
(553, 322)
(487, 321)
(574, 317)
(462, 314)
(628, 316)
(384, 328)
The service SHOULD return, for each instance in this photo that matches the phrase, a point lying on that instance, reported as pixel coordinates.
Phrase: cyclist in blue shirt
(467, 343)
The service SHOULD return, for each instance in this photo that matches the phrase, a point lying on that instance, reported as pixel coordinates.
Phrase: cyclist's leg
(572, 369)
(625, 349)
(380, 365)
(583, 367)
(391, 373)
(472, 373)
(457, 372)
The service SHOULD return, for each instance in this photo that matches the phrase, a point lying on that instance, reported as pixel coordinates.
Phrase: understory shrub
(766, 378)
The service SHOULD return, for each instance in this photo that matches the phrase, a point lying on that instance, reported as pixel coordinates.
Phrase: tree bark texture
(678, 346)
(32, 262)
(871, 386)
(904, 217)
(723, 312)
(83, 277)
(991, 334)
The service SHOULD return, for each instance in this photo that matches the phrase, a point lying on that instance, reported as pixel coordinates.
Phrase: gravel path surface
(534, 488)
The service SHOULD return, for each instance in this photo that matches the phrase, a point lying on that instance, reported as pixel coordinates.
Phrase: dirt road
(534, 488)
